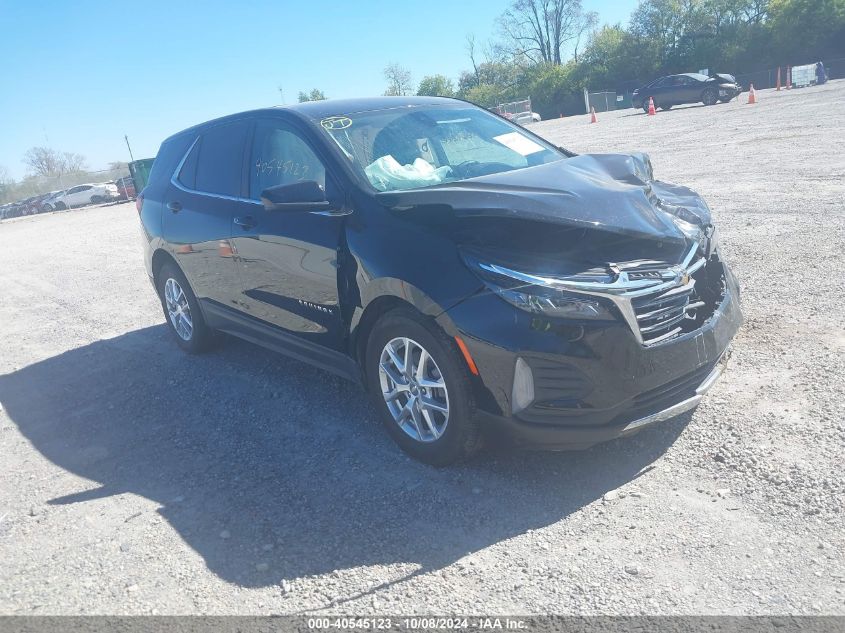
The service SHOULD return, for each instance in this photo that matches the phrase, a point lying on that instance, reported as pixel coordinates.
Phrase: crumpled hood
(610, 192)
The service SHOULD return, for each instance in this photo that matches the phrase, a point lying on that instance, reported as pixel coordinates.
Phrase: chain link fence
(763, 79)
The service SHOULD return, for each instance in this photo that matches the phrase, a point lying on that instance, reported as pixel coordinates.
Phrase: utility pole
(132, 158)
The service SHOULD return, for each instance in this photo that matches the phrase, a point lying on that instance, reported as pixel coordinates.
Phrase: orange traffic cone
(752, 96)
(593, 118)
(651, 110)
(778, 86)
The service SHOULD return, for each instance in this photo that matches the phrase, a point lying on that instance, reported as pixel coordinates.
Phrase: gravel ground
(137, 479)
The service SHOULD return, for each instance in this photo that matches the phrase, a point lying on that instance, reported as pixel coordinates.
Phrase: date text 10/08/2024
(417, 623)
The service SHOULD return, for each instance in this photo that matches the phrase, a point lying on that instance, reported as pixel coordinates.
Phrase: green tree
(436, 86)
(807, 30)
(315, 95)
(484, 95)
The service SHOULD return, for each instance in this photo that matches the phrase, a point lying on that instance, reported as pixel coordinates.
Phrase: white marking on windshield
(518, 143)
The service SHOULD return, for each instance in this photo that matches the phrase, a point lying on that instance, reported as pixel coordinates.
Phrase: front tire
(420, 386)
(709, 97)
(182, 311)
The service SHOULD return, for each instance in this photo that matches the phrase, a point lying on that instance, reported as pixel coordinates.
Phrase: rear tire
(410, 407)
(709, 97)
(182, 311)
(96, 199)
(666, 107)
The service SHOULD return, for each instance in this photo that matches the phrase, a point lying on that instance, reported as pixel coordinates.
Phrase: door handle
(174, 206)
(246, 222)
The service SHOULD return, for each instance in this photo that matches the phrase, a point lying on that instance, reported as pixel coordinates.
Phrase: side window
(188, 174)
(281, 157)
(85, 188)
(220, 159)
(74, 189)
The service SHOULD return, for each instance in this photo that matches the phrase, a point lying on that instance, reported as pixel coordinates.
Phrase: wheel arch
(159, 259)
(383, 296)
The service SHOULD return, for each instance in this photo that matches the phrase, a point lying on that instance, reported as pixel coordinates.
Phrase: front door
(689, 89)
(288, 261)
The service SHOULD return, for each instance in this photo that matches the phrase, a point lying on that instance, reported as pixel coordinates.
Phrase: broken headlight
(539, 294)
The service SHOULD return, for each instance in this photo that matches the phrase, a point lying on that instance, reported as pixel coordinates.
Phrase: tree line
(551, 50)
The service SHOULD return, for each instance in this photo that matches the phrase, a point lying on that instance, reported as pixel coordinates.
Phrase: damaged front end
(620, 311)
(655, 300)
(594, 237)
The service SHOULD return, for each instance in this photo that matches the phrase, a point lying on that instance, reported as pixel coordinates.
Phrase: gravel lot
(136, 479)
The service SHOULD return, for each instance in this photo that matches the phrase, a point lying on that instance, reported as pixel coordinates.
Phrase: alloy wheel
(414, 389)
(178, 309)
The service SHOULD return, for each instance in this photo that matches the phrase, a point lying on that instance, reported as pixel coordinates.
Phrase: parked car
(474, 277)
(125, 188)
(686, 88)
(16, 209)
(51, 202)
(34, 204)
(81, 195)
(523, 118)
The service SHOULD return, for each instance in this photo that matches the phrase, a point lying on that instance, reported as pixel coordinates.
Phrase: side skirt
(244, 327)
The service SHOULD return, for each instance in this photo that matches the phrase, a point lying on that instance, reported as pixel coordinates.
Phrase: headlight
(538, 294)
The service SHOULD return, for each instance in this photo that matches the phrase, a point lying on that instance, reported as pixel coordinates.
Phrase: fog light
(523, 386)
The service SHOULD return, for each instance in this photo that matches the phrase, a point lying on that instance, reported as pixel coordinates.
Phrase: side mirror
(306, 195)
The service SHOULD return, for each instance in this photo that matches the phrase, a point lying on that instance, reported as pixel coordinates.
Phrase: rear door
(204, 195)
(671, 90)
(288, 260)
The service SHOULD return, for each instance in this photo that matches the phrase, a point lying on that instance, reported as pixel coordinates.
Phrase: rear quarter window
(168, 157)
(220, 161)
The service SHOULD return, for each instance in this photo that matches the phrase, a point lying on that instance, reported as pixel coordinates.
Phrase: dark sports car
(687, 88)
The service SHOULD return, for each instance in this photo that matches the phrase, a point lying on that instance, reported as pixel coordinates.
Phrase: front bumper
(592, 382)
(552, 437)
(731, 91)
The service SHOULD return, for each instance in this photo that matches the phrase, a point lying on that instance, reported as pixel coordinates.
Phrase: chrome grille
(659, 316)
(654, 298)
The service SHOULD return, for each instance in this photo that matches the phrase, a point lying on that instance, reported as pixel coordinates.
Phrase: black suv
(471, 275)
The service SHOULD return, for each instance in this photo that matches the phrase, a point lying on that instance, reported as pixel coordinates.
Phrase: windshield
(408, 148)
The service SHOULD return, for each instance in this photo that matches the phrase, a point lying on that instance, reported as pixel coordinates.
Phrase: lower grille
(672, 392)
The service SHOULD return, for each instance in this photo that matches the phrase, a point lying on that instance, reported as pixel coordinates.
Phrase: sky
(78, 76)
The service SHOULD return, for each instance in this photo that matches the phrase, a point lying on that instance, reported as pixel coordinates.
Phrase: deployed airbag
(386, 174)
